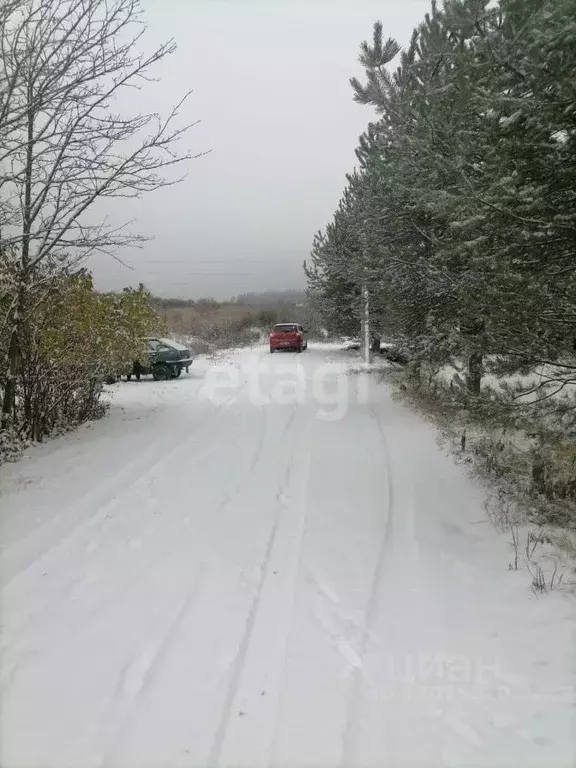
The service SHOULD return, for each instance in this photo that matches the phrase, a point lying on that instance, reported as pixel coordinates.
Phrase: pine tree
(465, 187)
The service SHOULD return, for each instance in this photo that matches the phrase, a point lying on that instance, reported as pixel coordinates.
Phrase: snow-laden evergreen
(462, 212)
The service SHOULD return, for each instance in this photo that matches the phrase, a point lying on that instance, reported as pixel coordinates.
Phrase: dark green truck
(166, 360)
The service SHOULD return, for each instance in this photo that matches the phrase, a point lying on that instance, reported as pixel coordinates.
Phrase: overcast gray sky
(271, 87)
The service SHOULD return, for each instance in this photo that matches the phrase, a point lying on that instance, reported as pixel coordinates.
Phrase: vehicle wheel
(177, 373)
(161, 373)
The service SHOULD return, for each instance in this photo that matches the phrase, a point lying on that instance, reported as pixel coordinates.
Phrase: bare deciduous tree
(64, 141)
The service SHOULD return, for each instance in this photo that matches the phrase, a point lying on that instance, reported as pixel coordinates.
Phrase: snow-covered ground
(546, 379)
(269, 563)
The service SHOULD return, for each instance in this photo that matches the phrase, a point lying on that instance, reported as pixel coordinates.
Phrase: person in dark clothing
(137, 369)
(375, 345)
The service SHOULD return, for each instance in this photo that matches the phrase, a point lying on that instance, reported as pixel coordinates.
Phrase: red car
(288, 336)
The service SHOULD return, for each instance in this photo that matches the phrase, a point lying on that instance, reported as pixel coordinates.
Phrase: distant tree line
(265, 299)
(228, 322)
(272, 299)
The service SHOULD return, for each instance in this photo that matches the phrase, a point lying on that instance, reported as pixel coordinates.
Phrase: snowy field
(268, 562)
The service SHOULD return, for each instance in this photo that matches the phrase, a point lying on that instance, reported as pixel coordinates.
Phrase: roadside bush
(530, 459)
(71, 340)
(231, 335)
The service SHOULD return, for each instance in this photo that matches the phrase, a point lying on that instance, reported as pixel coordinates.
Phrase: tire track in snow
(23, 627)
(349, 736)
(138, 676)
(119, 592)
(247, 476)
(237, 667)
(256, 458)
(107, 601)
(116, 487)
(290, 421)
(271, 555)
(9, 672)
(220, 734)
(297, 568)
(126, 468)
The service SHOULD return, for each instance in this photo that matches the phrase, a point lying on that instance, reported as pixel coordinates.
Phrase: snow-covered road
(269, 562)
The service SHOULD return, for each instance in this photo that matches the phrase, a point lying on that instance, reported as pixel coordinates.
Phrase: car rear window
(174, 345)
(285, 328)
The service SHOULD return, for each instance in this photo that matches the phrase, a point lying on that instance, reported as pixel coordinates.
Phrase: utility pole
(366, 324)
(365, 296)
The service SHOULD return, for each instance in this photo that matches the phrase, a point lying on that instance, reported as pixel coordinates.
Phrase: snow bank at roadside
(499, 384)
(373, 367)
